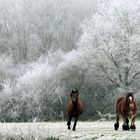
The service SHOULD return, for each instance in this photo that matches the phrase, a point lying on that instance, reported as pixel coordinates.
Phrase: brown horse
(74, 108)
(127, 108)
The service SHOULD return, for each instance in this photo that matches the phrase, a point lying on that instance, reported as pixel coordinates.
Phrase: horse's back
(119, 100)
(119, 104)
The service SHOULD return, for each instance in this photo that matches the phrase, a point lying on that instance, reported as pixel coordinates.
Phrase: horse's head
(74, 96)
(130, 101)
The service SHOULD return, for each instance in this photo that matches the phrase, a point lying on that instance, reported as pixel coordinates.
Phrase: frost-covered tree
(113, 36)
(29, 29)
(44, 64)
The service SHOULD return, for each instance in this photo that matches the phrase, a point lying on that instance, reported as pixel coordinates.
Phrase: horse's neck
(126, 102)
(75, 104)
(127, 105)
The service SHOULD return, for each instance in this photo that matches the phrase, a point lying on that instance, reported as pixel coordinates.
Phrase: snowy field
(85, 131)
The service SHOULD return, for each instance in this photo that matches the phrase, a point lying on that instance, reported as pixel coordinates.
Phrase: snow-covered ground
(85, 131)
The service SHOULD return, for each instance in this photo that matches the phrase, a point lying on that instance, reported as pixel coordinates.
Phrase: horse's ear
(71, 93)
(76, 91)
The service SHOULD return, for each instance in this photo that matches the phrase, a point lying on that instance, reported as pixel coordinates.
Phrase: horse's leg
(75, 122)
(133, 127)
(69, 122)
(125, 126)
(116, 125)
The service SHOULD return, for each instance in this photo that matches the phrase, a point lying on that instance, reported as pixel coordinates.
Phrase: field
(85, 131)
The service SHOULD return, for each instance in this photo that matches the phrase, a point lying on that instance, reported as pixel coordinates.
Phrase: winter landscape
(58, 131)
(49, 48)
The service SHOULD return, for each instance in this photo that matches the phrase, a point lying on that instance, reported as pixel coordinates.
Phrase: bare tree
(112, 35)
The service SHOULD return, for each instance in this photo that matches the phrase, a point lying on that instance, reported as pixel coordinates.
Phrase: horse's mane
(130, 94)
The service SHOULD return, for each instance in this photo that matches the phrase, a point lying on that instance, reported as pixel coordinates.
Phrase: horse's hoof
(133, 127)
(69, 127)
(116, 126)
(125, 127)
(73, 129)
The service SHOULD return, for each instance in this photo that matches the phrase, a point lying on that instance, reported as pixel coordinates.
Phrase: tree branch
(110, 56)
(134, 76)
(108, 77)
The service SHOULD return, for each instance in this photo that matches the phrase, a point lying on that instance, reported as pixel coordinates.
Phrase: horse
(127, 108)
(74, 108)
